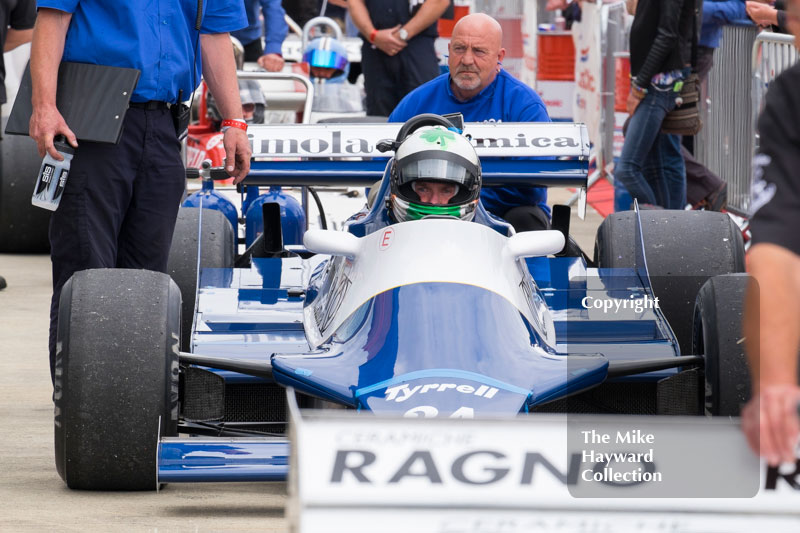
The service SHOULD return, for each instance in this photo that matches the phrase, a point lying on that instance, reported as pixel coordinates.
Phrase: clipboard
(93, 100)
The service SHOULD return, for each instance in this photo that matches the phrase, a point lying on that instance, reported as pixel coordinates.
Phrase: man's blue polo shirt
(506, 99)
(274, 28)
(154, 36)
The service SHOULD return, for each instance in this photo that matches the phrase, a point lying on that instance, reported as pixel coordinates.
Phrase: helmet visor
(442, 167)
(325, 59)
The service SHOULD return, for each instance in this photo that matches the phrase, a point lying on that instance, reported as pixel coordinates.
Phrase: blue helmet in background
(328, 53)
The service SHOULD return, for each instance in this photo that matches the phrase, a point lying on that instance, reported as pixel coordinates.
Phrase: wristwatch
(403, 34)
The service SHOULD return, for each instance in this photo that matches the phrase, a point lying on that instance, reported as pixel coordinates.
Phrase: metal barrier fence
(723, 144)
(772, 54)
(734, 99)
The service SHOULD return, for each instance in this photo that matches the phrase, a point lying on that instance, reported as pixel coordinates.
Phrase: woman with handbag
(651, 166)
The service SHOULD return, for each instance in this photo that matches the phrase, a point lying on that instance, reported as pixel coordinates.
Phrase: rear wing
(346, 154)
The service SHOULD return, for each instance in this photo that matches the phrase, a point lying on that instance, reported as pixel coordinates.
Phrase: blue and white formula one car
(429, 317)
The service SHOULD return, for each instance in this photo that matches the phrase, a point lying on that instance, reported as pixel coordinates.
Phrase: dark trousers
(119, 205)
(253, 50)
(700, 181)
(387, 79)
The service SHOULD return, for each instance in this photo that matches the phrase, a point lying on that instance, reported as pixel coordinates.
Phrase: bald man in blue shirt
(120, 204)
(479, 88)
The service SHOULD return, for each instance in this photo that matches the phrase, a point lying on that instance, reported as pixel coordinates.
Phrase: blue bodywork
(422, 349)
(468, 341)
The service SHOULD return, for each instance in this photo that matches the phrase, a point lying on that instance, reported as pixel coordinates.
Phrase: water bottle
(53, 176)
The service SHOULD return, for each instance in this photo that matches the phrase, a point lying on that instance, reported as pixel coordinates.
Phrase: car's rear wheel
(217, 245)
(719, 339)
(683, 249)
(116, 378)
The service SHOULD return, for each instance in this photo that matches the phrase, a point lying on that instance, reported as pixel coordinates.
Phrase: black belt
(152, 104)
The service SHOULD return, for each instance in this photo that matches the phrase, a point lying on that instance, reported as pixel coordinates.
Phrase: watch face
(403, 34)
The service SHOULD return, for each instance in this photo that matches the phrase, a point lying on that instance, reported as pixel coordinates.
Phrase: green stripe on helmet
(417, 211)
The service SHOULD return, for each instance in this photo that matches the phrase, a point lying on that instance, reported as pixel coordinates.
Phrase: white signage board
(588, 70)
(537, 473)
(558, 97)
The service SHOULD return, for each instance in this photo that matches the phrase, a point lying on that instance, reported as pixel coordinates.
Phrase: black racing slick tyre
(719, 339)
(23, 227)
(116, 377)
(682, 249)
(218, 248)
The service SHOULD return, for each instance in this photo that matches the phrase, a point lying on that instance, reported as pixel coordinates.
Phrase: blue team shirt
(506, 99)
(275, 27)
(154, 36)
(716, 14)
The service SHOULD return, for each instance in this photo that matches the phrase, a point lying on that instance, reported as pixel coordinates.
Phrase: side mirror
(534, 243)
(330, 242)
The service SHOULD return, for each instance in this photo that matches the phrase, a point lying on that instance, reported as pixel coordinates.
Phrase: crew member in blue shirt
(479, 88)
(267, 55)
(397, 55)
(121, 200)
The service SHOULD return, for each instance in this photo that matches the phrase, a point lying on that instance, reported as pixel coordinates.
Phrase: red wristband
(372, 36)
(234, 123)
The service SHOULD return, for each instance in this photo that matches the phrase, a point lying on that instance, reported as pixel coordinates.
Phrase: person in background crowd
(479, 88)
(397, 55)
(772, 308)
(651, 167)
(120, 204)
(18, 17)
(301, 11)
(766, 13)
(703, 187)
(267, 55)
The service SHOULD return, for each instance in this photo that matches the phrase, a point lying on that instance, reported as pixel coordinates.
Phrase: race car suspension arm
(260, 369)
(618, 369)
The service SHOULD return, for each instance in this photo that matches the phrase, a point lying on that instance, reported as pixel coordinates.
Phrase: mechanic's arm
(46, 122)
(772, 337)
(275, 31)
(219, 72)
(385, 40)
(762, 14)
(429, 12)
(724, 12)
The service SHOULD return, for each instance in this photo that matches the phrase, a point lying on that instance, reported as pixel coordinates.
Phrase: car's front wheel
(116, 378)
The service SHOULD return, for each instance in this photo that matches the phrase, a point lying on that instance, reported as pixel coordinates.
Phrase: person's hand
(388, 42)
(770, 423)
(237, 153)
(271, 62)
(46, 122)
(552, 5)
(633, 102)
(761, 14)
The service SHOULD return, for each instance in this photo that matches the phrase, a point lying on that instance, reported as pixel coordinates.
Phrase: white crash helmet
(434, 154)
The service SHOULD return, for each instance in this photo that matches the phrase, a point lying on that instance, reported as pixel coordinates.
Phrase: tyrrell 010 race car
(436, 317)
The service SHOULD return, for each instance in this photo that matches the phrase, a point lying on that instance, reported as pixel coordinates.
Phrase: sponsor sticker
(386, 239)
